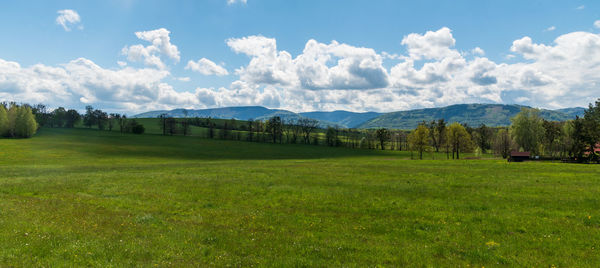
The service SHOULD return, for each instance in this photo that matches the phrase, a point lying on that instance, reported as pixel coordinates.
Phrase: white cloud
(582, 7)
(478, 51)
(597, 24)
(151, 55)
(320, 66)
(82, 81)
(231, 2)
(431, 45)
(206, 67)
(328, 76)
(68, 18)
(550, 29)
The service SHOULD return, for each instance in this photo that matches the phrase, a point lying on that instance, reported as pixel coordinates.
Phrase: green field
(84, 197)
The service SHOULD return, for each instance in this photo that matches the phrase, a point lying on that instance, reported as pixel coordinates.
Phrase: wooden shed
(519, 156)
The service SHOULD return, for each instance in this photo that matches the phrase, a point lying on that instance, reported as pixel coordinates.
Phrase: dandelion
(589, 217)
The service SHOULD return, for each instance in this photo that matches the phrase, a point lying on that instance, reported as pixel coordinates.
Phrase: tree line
(573, 140)
(63, 118)
(576, 140)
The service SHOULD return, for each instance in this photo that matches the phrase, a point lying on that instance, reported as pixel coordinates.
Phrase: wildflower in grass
(492, 244)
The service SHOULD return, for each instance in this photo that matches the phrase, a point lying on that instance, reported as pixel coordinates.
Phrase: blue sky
(255, 53)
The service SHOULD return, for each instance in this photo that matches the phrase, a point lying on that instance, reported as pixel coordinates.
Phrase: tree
(101, 118)
(551, 137)
(12, 118)
(458, 138)
(502, 143)
(527, 129)
(331, 136)
(567, 139)
(17, 121)
(307, 126)
(88, 118)
(25, 126)
(441, 133)
(436, 131)
(122, 122)
(419, 139)
(4, 128)
(224, 132)
(111, 120)
(41, 114)
(167, 124)
(275, 128)
(587, 133)
(250, 128)
(185, 126)
(383, 135)
(58, 117)
(71, 118)
(482, 137)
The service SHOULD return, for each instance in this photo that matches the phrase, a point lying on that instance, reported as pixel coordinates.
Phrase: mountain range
(472, 114)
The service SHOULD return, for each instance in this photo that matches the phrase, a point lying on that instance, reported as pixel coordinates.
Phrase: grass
(93, 198)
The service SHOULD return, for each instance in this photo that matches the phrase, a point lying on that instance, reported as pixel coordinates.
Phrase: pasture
(82, 197)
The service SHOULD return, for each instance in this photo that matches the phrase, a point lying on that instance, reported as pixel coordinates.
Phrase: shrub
(138, 128)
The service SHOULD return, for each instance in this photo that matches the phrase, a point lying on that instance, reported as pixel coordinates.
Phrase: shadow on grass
(110, 144)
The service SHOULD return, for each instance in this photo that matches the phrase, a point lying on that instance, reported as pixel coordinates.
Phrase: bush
(138, 129)
(134, 127)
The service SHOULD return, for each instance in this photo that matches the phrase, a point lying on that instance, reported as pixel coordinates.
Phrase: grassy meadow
(83, 197)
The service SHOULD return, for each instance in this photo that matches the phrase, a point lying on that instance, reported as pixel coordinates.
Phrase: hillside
(472, 114)
(240, 113)
(344, 118)
(337, 118)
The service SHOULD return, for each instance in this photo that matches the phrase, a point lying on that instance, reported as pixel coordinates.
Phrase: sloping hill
(472, 114)
(239, 113)
(337, 118)
(343, 118)
(577, 111)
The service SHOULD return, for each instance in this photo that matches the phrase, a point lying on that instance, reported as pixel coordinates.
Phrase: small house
(519, 156)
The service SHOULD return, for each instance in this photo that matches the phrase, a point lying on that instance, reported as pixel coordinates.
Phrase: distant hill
(239, 113)
(472, 114)
(572, 111)
(343, 118)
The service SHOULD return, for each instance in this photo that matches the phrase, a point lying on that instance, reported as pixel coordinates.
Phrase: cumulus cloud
(432, 45)
(320, 66)
(597, 24)
(68, 18)
(151, 55)
(550, 29)
(82, 81)
(328, 76)
(478, 51)
(206, 67)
